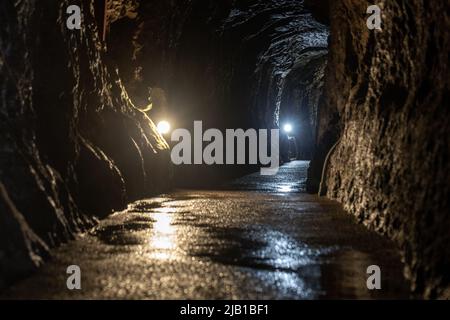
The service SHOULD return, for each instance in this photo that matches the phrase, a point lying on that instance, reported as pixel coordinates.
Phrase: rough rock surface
(391, 166)
(72, 145)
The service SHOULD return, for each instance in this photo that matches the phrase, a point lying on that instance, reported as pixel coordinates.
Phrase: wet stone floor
(258, 238)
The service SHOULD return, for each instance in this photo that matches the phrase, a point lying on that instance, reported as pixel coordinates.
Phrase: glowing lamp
(163, 127)
(287, 128)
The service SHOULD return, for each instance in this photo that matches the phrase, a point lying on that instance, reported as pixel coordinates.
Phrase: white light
(287, 128)
(163, 127)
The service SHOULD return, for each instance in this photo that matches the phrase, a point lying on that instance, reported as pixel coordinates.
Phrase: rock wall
(391, 166)
(72, 145)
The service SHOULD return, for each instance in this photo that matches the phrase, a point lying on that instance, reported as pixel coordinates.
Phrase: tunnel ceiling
(289, 33)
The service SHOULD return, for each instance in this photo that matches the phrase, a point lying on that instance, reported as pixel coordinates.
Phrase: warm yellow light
(163, 127)
(163, 239)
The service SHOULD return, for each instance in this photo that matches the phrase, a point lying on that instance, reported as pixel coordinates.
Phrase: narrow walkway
(260, 240)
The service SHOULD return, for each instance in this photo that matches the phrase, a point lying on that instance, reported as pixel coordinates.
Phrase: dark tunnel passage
(86, 117)
(209, 61)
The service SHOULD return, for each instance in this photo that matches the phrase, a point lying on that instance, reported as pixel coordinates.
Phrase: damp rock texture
(391, 166)
(72, 145)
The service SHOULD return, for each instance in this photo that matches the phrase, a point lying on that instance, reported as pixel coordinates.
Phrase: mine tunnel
(357, 128)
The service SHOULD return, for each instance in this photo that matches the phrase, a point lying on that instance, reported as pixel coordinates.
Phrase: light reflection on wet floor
(221, 244)
(270, 256)
(291, 177)
(163, 235)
